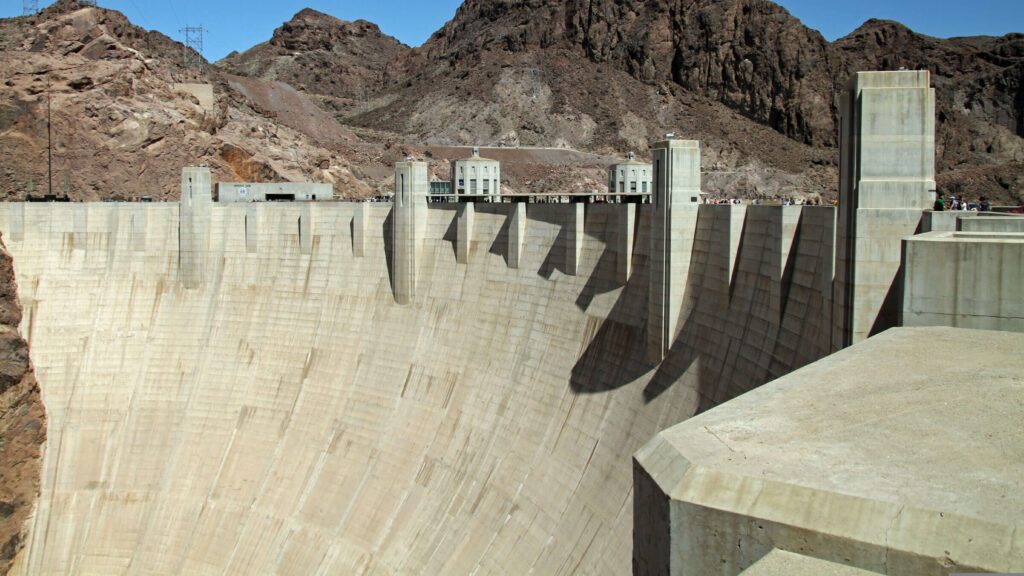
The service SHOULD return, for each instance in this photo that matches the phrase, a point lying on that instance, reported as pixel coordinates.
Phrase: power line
(29, 7)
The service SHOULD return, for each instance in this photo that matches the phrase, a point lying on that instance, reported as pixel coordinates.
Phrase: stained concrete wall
(965, 279)
(285, 416)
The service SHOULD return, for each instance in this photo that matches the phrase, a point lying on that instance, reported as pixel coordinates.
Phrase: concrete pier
(408, 227)
(673, 223)
(516, 234)
(464, 233)
(887, 178)
(194, 237)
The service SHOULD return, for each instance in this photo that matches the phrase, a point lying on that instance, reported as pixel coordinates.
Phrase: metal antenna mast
(193, 40)
(29, 7)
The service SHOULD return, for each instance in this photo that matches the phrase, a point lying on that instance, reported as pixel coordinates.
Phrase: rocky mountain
(93, 105)
(339, 101)
(606, 75)
(319, 54)
(22, 422)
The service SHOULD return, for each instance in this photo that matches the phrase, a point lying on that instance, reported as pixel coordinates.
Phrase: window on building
(632, 187)
(486, 186)
(643, 187)
(472, 185)
(622, 187)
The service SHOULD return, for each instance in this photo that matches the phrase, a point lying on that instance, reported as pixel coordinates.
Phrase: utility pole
(193, 40)
(29, 7)
(49, 141)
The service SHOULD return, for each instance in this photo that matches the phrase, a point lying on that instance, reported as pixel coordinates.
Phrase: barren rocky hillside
(342, 62)
(607, 75)
(22, 421)
(119, 127)
(337, 101)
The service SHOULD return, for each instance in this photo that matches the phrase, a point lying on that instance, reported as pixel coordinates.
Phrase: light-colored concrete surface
(886, 175)
(285, 416)
(964, 279)
(674, 220)
(892, 456)
(631, 177)
(992, 222)
(782, 563)
(476, 175)
(408, 228)
(201, 92)
(260, 191)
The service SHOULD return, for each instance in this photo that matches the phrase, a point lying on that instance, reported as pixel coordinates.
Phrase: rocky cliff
(603, 74)
(92, 105)
(22, 422)
(319, 54)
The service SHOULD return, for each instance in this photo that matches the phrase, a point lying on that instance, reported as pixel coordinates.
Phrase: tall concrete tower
(673, 223)
(409, 222)
(886, 180)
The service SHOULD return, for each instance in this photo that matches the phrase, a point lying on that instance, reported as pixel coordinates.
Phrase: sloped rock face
(90, 105)
(320, 54)
(22, 422)
(754, 57)
(751, 56)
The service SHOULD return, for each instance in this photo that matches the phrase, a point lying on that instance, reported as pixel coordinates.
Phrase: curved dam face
(286, 416)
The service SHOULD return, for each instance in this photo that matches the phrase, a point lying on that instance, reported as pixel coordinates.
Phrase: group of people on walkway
(955, 203)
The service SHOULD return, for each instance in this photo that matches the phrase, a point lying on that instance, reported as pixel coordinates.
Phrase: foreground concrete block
(673, 223)
(881, 457)
(964, 279)
(887, 179)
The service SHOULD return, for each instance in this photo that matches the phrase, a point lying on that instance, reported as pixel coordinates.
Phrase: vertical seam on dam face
(222, 415)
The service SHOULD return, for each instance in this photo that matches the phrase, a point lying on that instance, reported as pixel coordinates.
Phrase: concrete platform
(901, 455)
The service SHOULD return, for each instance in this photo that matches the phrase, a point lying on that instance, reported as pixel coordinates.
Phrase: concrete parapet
(848, 461)
(991, 222)
(887, 178)
(675, 202)
(932, 221)
(464, 234)
(408, 227)
(964, 279)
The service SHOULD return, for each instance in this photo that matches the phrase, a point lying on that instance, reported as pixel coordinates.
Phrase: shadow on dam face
(286, 417)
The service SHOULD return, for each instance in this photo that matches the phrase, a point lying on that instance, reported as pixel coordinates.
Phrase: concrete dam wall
(285, 416)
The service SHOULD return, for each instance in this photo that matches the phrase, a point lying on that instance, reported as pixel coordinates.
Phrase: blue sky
(236, 25)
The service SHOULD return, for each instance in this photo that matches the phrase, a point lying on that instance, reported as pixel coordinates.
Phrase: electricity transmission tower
(193, 41)
(29, 7)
